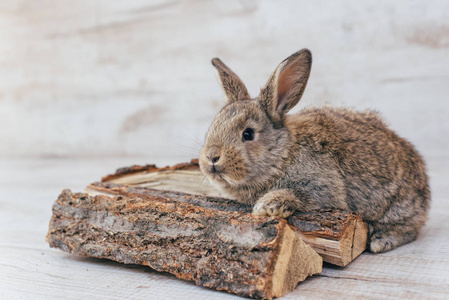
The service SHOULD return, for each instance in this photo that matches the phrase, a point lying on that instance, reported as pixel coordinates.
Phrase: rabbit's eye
(248, 134)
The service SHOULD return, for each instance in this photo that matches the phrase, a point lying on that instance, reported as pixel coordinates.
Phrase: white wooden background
(89, 86)
(114, 78)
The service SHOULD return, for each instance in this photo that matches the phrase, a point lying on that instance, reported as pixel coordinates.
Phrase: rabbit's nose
(213, 154)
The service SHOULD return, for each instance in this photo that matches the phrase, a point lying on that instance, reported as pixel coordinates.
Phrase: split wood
(211, 240)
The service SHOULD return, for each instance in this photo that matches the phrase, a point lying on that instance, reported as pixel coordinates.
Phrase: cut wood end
(352, 241)
(359, 238)
(295, 262)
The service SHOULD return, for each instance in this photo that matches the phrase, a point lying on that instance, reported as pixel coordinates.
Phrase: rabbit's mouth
(223, 166)
(219, 175)
(212, 172)
(216, 175)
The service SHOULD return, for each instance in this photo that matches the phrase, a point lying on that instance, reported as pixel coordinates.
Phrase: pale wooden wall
(113, 78)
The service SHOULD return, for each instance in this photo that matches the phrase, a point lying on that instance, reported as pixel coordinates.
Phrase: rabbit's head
(248, 144)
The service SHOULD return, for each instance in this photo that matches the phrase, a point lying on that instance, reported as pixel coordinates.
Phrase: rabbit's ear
(232, 85)
(286, 85)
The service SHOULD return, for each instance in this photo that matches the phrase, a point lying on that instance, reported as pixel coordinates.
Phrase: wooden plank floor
(29, 269)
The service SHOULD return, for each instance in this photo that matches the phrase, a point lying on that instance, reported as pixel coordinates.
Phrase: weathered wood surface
(127, 73)
(225, 250)
(339, 237)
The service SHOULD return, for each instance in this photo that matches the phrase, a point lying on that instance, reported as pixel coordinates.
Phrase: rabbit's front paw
(278, 203)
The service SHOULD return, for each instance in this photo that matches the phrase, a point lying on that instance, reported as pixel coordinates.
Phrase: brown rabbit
(318, 158)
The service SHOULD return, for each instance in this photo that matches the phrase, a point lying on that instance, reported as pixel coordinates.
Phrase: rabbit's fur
(318, 158)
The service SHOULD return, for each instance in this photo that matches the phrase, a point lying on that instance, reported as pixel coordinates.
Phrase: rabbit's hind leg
(382, 240)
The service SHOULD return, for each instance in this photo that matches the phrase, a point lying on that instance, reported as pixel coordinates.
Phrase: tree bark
(226, 250)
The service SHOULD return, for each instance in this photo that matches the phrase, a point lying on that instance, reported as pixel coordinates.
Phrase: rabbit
(318, 158)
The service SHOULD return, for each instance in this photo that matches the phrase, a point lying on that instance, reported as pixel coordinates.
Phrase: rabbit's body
(351, 160)
(318, 158)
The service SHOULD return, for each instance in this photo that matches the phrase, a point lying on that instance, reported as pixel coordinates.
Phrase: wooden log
(143, 215)
(338, 236)
(210, 242)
